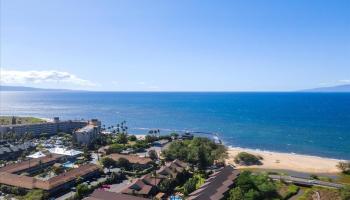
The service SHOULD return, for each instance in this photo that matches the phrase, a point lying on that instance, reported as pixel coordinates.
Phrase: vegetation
(108, 162)
(123, 163)
(132, 138)
(345, 193)
(115, 148)
(325, 193)
(35, 195)
(344, 167)
(292, 190)
(82, 190)
(201, 152)
(86, 154)
(193, 183)
(244, 158)
(251, 187)
(6, 120)
(122, 138)
(153, 154)
(167, 186)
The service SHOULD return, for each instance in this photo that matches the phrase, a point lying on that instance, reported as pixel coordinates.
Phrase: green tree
(189, 186)
(82, 190)
(86, 154)
(236, 194)
(198, 151)
(122, 138)
(108, 162)
(153, 154)
(167, 186)
(123, 163)
(132, 138)
(253, 187)
(344, 167)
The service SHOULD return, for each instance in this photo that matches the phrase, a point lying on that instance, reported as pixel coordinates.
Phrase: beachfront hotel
(50, 128)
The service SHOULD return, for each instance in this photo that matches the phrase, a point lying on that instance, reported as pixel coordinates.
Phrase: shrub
(167, 185)
(132, 138)
(108, 162)
(153, 154)
(35, 195)
(123, 163)
(292, 190)
(189, 186)
(344, 167)
(245, 158)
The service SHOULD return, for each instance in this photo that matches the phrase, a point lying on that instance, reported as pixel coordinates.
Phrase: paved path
(299, 194)
(307, 182)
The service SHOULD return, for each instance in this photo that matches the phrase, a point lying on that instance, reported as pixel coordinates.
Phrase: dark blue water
(307, 123)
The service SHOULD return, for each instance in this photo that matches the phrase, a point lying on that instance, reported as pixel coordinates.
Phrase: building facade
(87, 134)
(49, 128)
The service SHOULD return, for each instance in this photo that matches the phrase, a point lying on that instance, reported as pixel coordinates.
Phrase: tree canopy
(198, 151)
(251, 187)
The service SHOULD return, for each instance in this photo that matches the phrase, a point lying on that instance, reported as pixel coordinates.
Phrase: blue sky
(183, 45)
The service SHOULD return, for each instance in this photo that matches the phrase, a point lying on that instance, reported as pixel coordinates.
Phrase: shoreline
(287, 161)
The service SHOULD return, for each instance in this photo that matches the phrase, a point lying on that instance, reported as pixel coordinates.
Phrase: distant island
(23, 88)
(338, 88)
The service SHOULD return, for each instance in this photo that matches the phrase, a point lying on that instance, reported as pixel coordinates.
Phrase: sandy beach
(288, 161)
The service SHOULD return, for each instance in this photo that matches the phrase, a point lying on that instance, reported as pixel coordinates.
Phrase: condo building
(49, 128)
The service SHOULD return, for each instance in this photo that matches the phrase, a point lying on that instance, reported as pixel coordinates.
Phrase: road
(306, 182)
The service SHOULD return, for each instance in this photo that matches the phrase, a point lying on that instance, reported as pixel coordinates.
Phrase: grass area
(325, 193)
(286, 191)
(343, 178)
(6, 120)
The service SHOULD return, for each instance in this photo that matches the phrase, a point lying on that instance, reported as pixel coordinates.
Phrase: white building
(87, 134)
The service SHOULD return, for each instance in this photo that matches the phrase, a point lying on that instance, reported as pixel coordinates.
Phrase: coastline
(287, 161)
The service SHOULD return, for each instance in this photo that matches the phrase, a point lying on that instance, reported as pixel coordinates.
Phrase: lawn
(325, 193)
(6, 120)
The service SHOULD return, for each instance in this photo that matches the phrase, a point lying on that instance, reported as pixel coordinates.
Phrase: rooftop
(104, 195)
(216, 185)
(131, 158)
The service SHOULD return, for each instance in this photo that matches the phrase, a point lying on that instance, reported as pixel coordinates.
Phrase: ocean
(304, 123)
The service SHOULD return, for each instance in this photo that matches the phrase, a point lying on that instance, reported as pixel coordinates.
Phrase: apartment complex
(13, 174)
(13, 151)
(217, 185)
(50, 128)
(146, 185)
(87, 134)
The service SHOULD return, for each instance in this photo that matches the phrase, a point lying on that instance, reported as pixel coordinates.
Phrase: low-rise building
(146, 186)
(217, 185)
(12, 175)
(133, 159)
(13, 151)
(104, 195)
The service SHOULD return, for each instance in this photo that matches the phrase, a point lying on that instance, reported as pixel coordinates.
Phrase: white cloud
(45, 76)
(344, 81)
(141, 83)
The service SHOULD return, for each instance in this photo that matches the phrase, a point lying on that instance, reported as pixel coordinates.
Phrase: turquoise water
(68, 164)
(307, 123)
